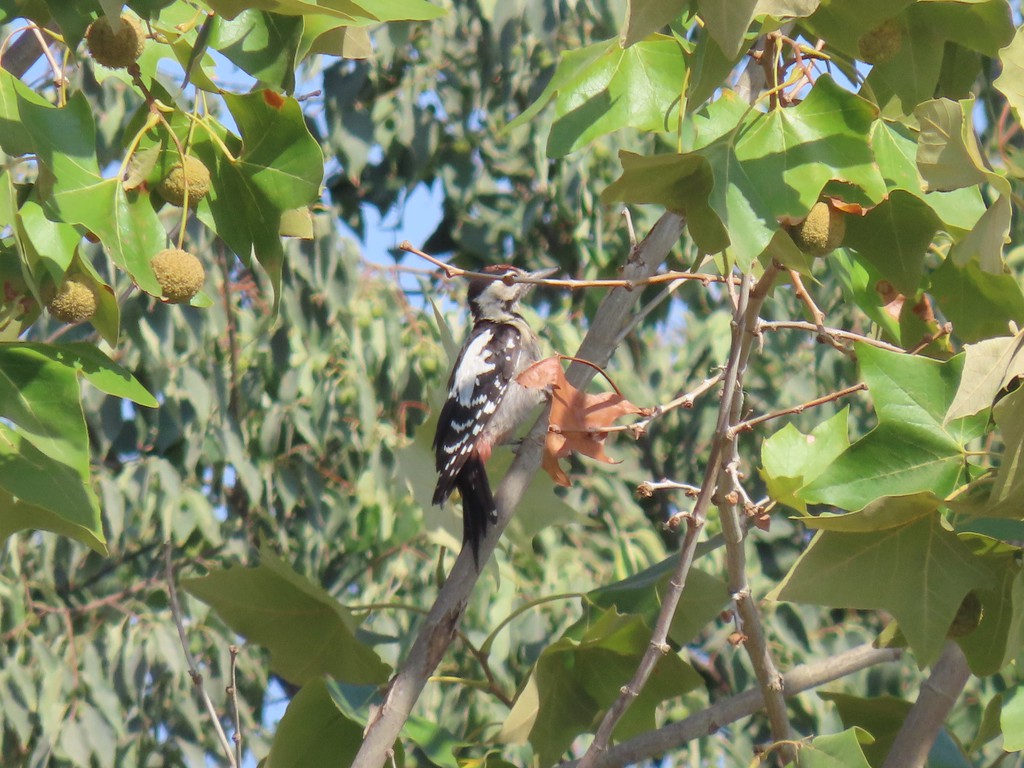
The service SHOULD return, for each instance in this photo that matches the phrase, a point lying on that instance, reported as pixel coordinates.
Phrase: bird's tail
(478, 508)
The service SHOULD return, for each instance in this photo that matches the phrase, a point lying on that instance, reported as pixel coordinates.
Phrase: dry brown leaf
(577, 418)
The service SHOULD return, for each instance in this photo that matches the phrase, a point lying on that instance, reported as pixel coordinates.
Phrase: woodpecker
(485, 404)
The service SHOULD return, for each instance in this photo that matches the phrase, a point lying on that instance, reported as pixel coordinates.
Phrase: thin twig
(839, 333)
(943, 330)
(440, 626)
(639, 427)
(824, 336)
(58, 76)
(645, 746)
(749, 424)
(233, 697)
(648, 488)
(732, 515)
(629, 226)
(695, 520)
(451, 271)
(193, 671)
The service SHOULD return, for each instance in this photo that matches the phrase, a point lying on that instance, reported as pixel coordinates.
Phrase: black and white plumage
(485, 404)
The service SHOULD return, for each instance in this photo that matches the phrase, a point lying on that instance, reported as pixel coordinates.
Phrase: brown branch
(799, 679)
(749, 424)
(629, 284)
(639, 427)
(729, 499)
(233, 696)
(839, 333)
(817, 315)
(440, 626)
(695, 521)
(937, 696)
(943, 330)
(647, 489)
(193, 671)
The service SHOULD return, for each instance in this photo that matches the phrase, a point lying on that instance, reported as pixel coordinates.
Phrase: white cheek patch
(475, 363)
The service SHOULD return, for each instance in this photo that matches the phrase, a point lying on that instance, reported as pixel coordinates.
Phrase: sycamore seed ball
(74, 301)
(822, 231)
(881, 44)
(172, 188)
(180, 274)
(115, 48)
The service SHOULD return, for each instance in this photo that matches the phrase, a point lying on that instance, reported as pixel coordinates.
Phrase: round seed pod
(180, 274)
(172, 187)
(115, 48)
(74, 301)
(822, 231)
(881, 44)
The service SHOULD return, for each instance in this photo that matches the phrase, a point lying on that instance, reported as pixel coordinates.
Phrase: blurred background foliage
(304, 432)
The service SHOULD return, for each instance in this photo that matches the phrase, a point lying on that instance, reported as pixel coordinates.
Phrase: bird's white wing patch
(476, 362)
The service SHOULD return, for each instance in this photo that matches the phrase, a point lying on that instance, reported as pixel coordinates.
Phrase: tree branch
(749, 424)
(839, 333)
(193, 669)
(799, 679)
(731, 514)
(937, 697)
(694, 524)
(441, 623)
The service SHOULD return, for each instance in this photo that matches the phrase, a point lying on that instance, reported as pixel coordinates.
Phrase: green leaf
(15, 136)
(39, 493)
(881, 716)
(984, 243)
(98, 369)
(604, 87)
(894, 238)
(314, 732)
(1011, 80)
(47, 247)
(791, 459)
(262, 44)
(912, 449)
(896, 152)
(280, 168)
(645, 17)
(989, 366)
(770, 166)
(880, 515)
(72, 190)
(267, 603)
(934, 569)
(998, 637)
(1007, 495)
(577, 679)
(40, 396)
(948, 156)
(839, 750)
(860, 282)
(980, 304)
(728, 22)
(703, 598)
(1011, 719)
(348, 10)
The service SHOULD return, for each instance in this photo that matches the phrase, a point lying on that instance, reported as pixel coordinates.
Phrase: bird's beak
(542, 273)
